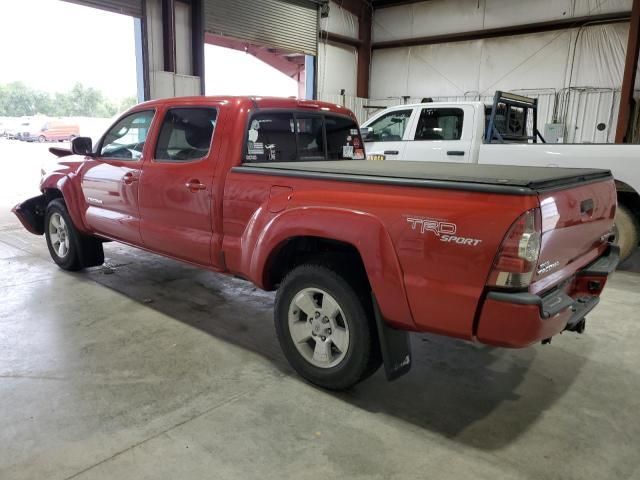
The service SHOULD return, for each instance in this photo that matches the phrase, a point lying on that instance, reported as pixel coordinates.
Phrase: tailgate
(576, 224)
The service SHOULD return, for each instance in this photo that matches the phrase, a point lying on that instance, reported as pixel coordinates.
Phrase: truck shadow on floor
(480, 396)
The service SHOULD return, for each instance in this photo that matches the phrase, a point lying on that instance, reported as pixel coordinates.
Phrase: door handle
(455, 153)
(195, 185)
(129, 178)
(391, 152)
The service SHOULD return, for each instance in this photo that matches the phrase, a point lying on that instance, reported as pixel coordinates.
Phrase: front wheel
(68, 248)
(42, 139)
(324, 329)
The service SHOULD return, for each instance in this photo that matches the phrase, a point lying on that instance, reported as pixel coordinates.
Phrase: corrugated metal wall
(125, 7)
(290, 25)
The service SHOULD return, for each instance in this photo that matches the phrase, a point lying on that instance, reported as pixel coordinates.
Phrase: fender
(362, 230)
(67, 184)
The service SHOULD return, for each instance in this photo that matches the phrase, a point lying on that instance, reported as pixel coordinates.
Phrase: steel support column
(629, 78)
(169, 35)
(364, 50)
(197, 41)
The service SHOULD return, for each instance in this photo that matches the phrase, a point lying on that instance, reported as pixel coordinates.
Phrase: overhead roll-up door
(126, 7)
(287, 24)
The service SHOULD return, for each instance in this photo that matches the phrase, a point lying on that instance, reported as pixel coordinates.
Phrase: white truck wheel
(627, 232)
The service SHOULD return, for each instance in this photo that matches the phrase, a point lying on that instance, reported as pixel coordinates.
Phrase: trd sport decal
(445, 231)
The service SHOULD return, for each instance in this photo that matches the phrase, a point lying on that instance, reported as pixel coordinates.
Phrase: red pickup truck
(276, 191)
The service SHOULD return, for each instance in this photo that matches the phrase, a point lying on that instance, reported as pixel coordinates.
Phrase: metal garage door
(126, 7)
(287, 24)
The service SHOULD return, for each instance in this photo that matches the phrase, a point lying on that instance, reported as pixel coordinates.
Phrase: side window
(125, 140)
(271, 138)
(186, 134)
(310, 138)
(389, 127)
(440, 124)
(343, 139)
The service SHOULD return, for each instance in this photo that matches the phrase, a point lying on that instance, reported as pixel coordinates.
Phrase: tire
(627, 232)
(336, 350)
(68, 248)
(42, 139)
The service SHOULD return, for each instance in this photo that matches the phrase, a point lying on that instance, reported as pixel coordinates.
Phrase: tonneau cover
(513, 179)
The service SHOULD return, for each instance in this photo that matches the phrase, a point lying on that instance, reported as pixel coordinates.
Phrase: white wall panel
(524, 62)
(435, 17)
(340, 21)
(600, 56)
(154, 33)
(596, 7)
(438, 17)
(536, 61)
(337, 64)
(336, 69)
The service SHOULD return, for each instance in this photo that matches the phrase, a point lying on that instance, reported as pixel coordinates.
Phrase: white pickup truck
(471, 132)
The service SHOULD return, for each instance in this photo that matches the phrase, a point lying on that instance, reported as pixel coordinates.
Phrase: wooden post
(629, 78)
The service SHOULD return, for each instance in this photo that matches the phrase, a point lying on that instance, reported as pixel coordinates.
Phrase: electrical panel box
(554, 132)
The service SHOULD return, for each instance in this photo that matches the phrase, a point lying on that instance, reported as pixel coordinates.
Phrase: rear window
(302, 137)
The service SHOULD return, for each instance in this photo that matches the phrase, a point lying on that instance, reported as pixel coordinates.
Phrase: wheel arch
(361, 238)
(60, 186)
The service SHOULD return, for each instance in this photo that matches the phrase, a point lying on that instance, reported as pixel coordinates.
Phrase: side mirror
(82, 146)
(365, 132)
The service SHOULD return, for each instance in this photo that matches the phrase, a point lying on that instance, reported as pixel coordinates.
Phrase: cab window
(126, 139)
(309, 130)
(343, 139)
(440, 124)
(271, 138)
(390, 127)
(186, 134)
(302, 137)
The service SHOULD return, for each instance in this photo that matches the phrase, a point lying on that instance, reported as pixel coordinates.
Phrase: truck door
(176, 185)
(442, 134)
(388, 134)
(110, 181)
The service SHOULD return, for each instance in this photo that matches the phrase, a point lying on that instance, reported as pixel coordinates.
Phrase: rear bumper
(521, 319)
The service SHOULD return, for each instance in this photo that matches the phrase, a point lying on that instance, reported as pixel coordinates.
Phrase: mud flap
(394, 345)
(90, 251)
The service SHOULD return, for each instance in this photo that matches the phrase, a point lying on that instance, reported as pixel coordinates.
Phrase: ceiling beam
(341, 39)
(506, 31)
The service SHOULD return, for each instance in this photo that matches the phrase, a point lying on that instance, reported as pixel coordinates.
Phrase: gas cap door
(279, 197)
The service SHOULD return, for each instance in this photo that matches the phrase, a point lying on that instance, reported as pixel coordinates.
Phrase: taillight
(517, 258)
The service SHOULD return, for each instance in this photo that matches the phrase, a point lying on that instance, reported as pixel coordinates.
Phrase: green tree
(18, 99)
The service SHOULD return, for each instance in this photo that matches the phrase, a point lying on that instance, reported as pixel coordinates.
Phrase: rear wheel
(324, 329)
(68, 248)
(627, 231)
(42, 139)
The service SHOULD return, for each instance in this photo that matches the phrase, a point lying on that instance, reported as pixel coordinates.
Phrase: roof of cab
(250, 101)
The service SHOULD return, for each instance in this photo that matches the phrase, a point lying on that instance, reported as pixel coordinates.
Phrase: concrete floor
(146, 368)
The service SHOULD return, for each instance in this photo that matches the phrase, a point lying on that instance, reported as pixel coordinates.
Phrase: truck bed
(486, 178)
